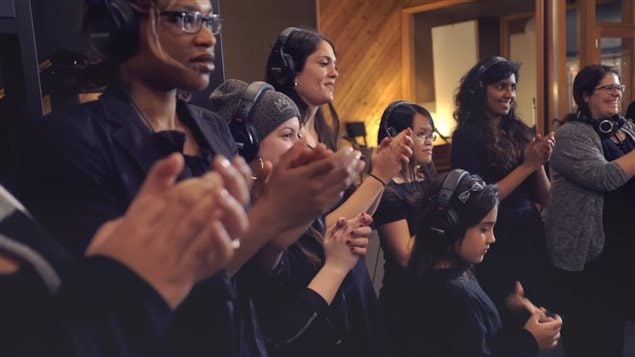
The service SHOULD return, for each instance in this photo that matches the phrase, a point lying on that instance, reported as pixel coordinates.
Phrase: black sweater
(451, 315)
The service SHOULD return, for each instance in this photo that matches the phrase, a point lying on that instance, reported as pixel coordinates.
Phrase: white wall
(454, 52)
(523, 50)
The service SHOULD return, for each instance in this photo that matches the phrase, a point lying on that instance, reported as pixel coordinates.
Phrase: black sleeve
(391, 208)
(466, 152)
(471, 329)
(71, 190)
(109, 310)
(515, 342)
(292, 316)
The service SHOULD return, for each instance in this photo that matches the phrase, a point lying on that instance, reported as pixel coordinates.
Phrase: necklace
(142, 116)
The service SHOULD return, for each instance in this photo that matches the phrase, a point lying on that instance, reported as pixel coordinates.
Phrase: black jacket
(88, 164)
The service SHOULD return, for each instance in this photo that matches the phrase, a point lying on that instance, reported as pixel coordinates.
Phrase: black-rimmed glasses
(611, 88)
(192, 21)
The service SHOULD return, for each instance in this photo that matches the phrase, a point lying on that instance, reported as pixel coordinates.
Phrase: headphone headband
(491, 62)
(450, 184)
(388, 129)
(249, 98)
(280, 65)
(244, 134)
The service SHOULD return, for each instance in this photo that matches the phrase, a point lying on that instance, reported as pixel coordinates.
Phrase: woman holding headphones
(396, 215)
(491, 141)
(449, 313)
(302, 64)
(588, 223)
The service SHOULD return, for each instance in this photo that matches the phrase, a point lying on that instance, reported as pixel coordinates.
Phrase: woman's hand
(307, 182)
(172, 235)
(391, 154)
(345, 242)
(534, 154)
(546, 333)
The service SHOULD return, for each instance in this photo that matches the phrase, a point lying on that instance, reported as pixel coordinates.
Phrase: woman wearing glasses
(90, 161)
(588, 223)
(397, 211)
(491, 141)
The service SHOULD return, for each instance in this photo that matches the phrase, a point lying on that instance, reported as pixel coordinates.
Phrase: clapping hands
(539, 149)
(346, 241)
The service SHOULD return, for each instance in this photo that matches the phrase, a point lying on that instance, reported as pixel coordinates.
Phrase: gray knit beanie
(271, 109)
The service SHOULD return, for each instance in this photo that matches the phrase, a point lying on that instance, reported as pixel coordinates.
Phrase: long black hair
(504, 142)
(401, 118)
(430, 246)
(300, 44)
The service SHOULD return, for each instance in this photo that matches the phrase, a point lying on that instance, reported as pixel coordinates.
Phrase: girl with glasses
(396, 214)
(588, 223)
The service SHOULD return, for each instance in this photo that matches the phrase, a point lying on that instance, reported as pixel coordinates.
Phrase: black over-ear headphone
(281, 65)
(445, 218)
(386, 127)
(113, 26)
(475, 85)
(247, 140)
(605, 127)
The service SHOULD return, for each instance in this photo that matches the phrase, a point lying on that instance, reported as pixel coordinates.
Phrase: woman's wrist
(378, 178)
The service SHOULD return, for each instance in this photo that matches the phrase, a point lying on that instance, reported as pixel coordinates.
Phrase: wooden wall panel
(367, 35)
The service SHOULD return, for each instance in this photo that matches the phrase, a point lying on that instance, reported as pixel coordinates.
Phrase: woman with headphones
(396, 214)
(90, 161)
(449, 313)
(302, 64)
(588, 222)
(491, 141)
(311, 288)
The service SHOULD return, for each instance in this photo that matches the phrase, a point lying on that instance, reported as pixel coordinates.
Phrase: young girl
(449, 312)
(312, 294)
(396, 215)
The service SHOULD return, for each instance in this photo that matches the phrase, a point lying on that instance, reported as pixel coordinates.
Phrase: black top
(298, 321)
(88, 164)
(454, 317)
(520, 252)
(399, 201)
(469, 153)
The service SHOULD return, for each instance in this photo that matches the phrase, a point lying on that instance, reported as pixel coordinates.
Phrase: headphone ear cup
(475, 87)
(289, 70)
(245, 138)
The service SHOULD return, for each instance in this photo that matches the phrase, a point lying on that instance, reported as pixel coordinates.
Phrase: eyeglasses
(611, 88)
(424, 136)
(191, 21)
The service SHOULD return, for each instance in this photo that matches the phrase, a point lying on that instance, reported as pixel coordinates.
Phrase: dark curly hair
(505, 141)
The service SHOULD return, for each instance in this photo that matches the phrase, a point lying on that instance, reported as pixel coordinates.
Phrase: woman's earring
(256, 168)
(295, 83)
